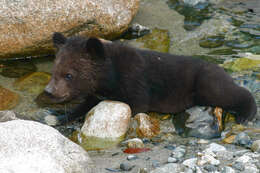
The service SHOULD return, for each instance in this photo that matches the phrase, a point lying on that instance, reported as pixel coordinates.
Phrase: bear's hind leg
(218, 89)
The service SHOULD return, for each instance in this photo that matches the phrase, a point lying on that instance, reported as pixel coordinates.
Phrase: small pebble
(192, 142)
(143, 170)
(228, 169)
(213, 147)
(113, 170)
(170, 147)
(132, 157)
(126, 167)
(178, 152)
(256, 146)
(210, 168)
(114, 154)
(243, 139)
(155, 163)
(224, 155)
(172, 160)
(203, 141)
(239, 166)
(191, 163)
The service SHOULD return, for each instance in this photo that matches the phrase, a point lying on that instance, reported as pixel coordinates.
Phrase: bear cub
(144, 79)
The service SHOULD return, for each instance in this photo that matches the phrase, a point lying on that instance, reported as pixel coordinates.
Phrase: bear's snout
(48, 89)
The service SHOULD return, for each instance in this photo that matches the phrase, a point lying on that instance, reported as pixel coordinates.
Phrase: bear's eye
(68, 77)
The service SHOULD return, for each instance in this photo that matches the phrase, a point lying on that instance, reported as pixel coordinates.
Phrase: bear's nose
(48, 89)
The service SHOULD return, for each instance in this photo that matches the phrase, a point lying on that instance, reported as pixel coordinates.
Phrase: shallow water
(236, 21)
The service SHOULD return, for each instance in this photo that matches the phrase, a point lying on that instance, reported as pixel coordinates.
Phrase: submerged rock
(195, 12)
(16, 69)
(201, 123)
(28, 146)
(8, 99)
(212, 41)
(106, 125)
(26, 26)
(243, 64)
(33, 83)
(157, 39)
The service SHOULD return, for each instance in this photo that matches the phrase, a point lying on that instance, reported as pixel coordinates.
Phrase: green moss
(222, 52)
(236, 22)
(157, 40)
(209, 59)
(95, 143)
(242, 64)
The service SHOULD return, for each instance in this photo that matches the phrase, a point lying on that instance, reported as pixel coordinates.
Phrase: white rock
(224, 155)
(7, 116)
(172, 160)
(191, 163)
(228, 169)
(203, 141)
(168, 168)
(193, 2)
(244, 159)
(108, 119)
(250, 168)
(207, 157)
(31, 147)
(213, 147)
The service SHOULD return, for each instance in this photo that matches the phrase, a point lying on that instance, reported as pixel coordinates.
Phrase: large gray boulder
(28, 146)
(26, 26)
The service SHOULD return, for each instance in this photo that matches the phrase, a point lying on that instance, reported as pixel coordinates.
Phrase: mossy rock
(33, 83)
(157, 40)
(212, 41)
(242, 64)
(8, 99)
(95, 143)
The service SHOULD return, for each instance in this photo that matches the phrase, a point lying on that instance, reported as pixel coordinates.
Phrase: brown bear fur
(144, 79)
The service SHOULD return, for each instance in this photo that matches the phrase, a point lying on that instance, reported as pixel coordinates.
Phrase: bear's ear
(95, 48)
(58, 39)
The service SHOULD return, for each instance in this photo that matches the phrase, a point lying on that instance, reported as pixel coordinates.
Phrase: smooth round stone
(243, 139)
(239, 166)
(256, 146)
(126, 167)
(210, 168)
(132, 157)
(155, 163)
(228, 169)
(172, 160)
